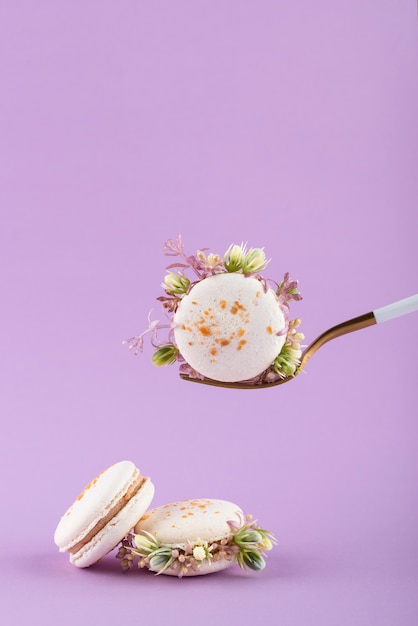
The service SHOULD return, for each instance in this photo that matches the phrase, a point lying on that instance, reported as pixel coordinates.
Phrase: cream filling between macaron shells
(113, 512)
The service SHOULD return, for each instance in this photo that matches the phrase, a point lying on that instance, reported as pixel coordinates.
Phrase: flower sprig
(253, 542)
(136, 344)
(288, 361)
(287, 291)
(238, 259)
(247, 545)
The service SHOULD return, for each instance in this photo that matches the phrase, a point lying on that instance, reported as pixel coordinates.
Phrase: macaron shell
(116, 529)
(189, 521)
(98, 497)
(227, 327)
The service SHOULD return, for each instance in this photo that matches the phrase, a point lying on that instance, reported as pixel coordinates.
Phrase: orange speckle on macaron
(89, 486)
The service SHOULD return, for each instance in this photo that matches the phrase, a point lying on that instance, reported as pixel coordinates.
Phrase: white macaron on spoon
(383, 314)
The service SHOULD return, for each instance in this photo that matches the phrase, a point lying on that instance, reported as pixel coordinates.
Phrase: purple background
(290, 125)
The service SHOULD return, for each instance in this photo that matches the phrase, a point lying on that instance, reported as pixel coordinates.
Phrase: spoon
(388, 312)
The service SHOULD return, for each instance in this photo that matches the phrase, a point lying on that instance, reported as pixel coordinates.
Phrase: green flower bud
(176, 283)
(253, 560)
(254, 261)
(283, 366)
(233, 258)
(249, 537)
(159, 561)
(143, 544)
(165, 355)
(287, 362)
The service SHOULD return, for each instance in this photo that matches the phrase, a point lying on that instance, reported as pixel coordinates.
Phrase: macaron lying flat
(106, 510)
(195, 537)
(229, 328)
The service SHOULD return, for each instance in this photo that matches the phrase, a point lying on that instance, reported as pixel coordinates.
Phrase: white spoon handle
(402, 307)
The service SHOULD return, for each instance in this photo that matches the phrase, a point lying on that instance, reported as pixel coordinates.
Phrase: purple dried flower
(176, 248)
(234, 525)
(288, 290)
(188, 370)
(136, 344)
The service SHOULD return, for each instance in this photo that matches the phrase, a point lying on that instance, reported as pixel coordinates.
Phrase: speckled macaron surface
(228, 327)
(188, 521)
(108, 507)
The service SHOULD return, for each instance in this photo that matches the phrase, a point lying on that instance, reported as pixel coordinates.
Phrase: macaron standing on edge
(106, 510)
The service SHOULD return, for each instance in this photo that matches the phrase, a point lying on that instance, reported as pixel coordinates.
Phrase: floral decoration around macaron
(246, 545)
(238, 259)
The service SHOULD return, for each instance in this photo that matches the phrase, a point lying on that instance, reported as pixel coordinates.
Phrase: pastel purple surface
(290, 125)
